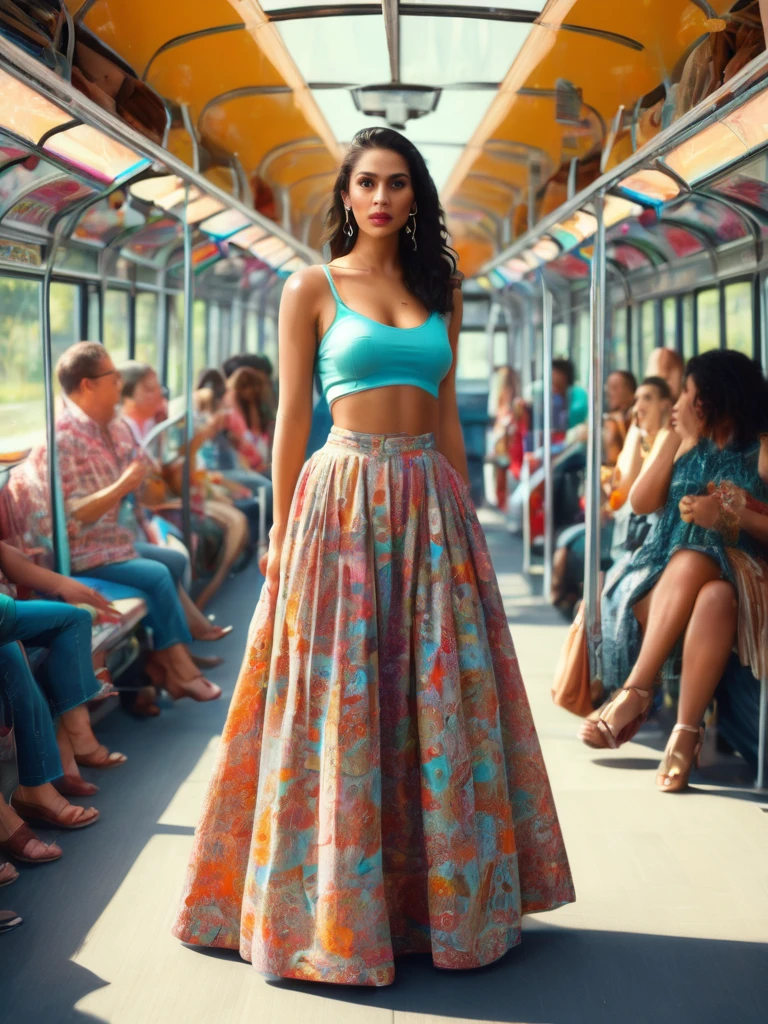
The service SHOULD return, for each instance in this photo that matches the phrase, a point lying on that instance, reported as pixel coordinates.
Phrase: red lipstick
(380, 218)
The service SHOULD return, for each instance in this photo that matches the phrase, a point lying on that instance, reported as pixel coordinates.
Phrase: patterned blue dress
(631, 578)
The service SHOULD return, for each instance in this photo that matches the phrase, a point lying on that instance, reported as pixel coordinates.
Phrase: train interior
(603, 168)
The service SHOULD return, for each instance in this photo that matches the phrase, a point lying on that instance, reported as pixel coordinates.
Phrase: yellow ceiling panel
(198, 71)
(312, 194)
(298, 164)
(136, 29)
(254, 126)
(492, 197)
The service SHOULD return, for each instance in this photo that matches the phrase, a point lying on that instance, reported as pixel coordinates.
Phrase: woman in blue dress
(700, 578)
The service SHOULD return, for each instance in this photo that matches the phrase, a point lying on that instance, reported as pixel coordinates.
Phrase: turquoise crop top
(358, 354)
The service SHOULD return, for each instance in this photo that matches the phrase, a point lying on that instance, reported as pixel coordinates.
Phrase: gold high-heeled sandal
(615, 739)
(675, 769)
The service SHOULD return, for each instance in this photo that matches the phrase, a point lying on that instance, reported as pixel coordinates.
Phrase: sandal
(8, 874)
(9, 919)
(589, 734)
(73, 785)
(37, 814)
(626, 732)
(199, 689)
(97, 759)
(675, 768)
(108, 688)
(17, 842)
(220, 633)
(145, 705)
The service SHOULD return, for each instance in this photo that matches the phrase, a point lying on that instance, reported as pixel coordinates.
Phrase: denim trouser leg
(175, 560)
(37, 754)
(166, 616)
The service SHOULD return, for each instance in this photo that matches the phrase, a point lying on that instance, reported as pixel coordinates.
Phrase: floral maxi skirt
(379, 787)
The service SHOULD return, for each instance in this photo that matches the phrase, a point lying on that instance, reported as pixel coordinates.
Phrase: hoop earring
(412, 230)
(348, 229)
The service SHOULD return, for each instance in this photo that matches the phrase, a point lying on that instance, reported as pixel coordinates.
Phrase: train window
(93, 298)
(116, 324)
(560, 341)
(270, 340)
(669, 322)
(647, 333)
(65, 317)
(147, 328)
(236, 341)
(473, 356)
(22, 394)
(176, 367)
(251, 331)
(739, 334)
(215, 356)
(619, 346)
(689, 348)
(199, 336)
(708, 316)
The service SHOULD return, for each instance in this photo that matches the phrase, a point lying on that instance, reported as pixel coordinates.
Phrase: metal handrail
(24, 67)
(730, 96)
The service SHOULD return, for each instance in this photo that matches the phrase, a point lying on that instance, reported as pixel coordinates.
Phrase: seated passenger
(667, 364)
(69, 683)
(141, 409)
(701, 574)
(101, 468)
(619, 399)
(247, 419)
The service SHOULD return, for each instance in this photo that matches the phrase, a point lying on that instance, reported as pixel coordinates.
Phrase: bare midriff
(400, 409)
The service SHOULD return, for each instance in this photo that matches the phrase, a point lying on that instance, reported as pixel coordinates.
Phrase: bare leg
(174, 669)
(50, 800)
(707, 645)
(235, 538)
(200, 626)
(85, 746)
(664, 614)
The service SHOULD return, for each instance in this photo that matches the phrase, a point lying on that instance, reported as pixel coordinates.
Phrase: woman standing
(380, 788)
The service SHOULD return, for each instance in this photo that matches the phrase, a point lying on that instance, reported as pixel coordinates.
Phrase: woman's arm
(20, 570)
(297, 339)
(450, 439)
(649, 492)
(630, 461)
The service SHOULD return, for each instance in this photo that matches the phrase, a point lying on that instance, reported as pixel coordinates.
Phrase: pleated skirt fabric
(379, 787)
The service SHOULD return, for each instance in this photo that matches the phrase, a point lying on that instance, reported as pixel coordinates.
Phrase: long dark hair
(427, 271)
(730, 391)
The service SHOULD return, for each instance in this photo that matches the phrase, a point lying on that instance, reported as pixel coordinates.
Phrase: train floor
(670, 924)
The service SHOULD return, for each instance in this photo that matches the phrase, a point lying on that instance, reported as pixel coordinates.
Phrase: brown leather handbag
(572, 687)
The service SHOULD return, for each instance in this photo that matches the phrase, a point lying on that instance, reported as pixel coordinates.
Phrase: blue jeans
(154, 580)
(66, 681)
(175, 560)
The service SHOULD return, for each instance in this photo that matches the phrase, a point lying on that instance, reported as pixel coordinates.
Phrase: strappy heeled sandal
(8, 874)
(97, 759)
(73, 785)
(9, 919)
(199, 689)
(675, 768)
(616, 739)
(44, 817)
(17, 842)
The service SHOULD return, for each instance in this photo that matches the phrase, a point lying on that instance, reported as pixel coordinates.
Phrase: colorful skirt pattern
(379, 787)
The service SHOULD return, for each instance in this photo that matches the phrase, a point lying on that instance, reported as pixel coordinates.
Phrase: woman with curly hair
(380, 787)
(700, 578)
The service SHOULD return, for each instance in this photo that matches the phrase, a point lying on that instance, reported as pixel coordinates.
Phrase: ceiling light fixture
(396, 103)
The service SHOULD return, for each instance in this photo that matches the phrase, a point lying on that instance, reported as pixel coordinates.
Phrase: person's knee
(691, 565)
(717, 599)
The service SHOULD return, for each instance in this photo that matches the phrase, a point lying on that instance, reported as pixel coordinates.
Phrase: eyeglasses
(98, 376)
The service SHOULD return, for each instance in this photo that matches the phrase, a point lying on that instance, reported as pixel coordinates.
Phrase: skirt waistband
(380, 444)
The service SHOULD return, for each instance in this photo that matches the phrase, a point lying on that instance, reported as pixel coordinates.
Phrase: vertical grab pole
(189, 426)
(525, 475)
(763, 726)
(549, 484)
(594, 446)
(50, 407)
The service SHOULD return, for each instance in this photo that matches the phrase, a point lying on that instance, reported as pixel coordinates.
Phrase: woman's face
(651, 409)
(147, 395)
(380, 193)
(686, 416)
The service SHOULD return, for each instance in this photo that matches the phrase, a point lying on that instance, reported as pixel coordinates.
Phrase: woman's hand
(702, 510)
(269, 563)
(75, 592)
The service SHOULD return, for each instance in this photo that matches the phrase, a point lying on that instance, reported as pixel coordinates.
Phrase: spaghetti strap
(336, 295)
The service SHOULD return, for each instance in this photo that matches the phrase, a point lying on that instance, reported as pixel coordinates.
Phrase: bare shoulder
(306, 286)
